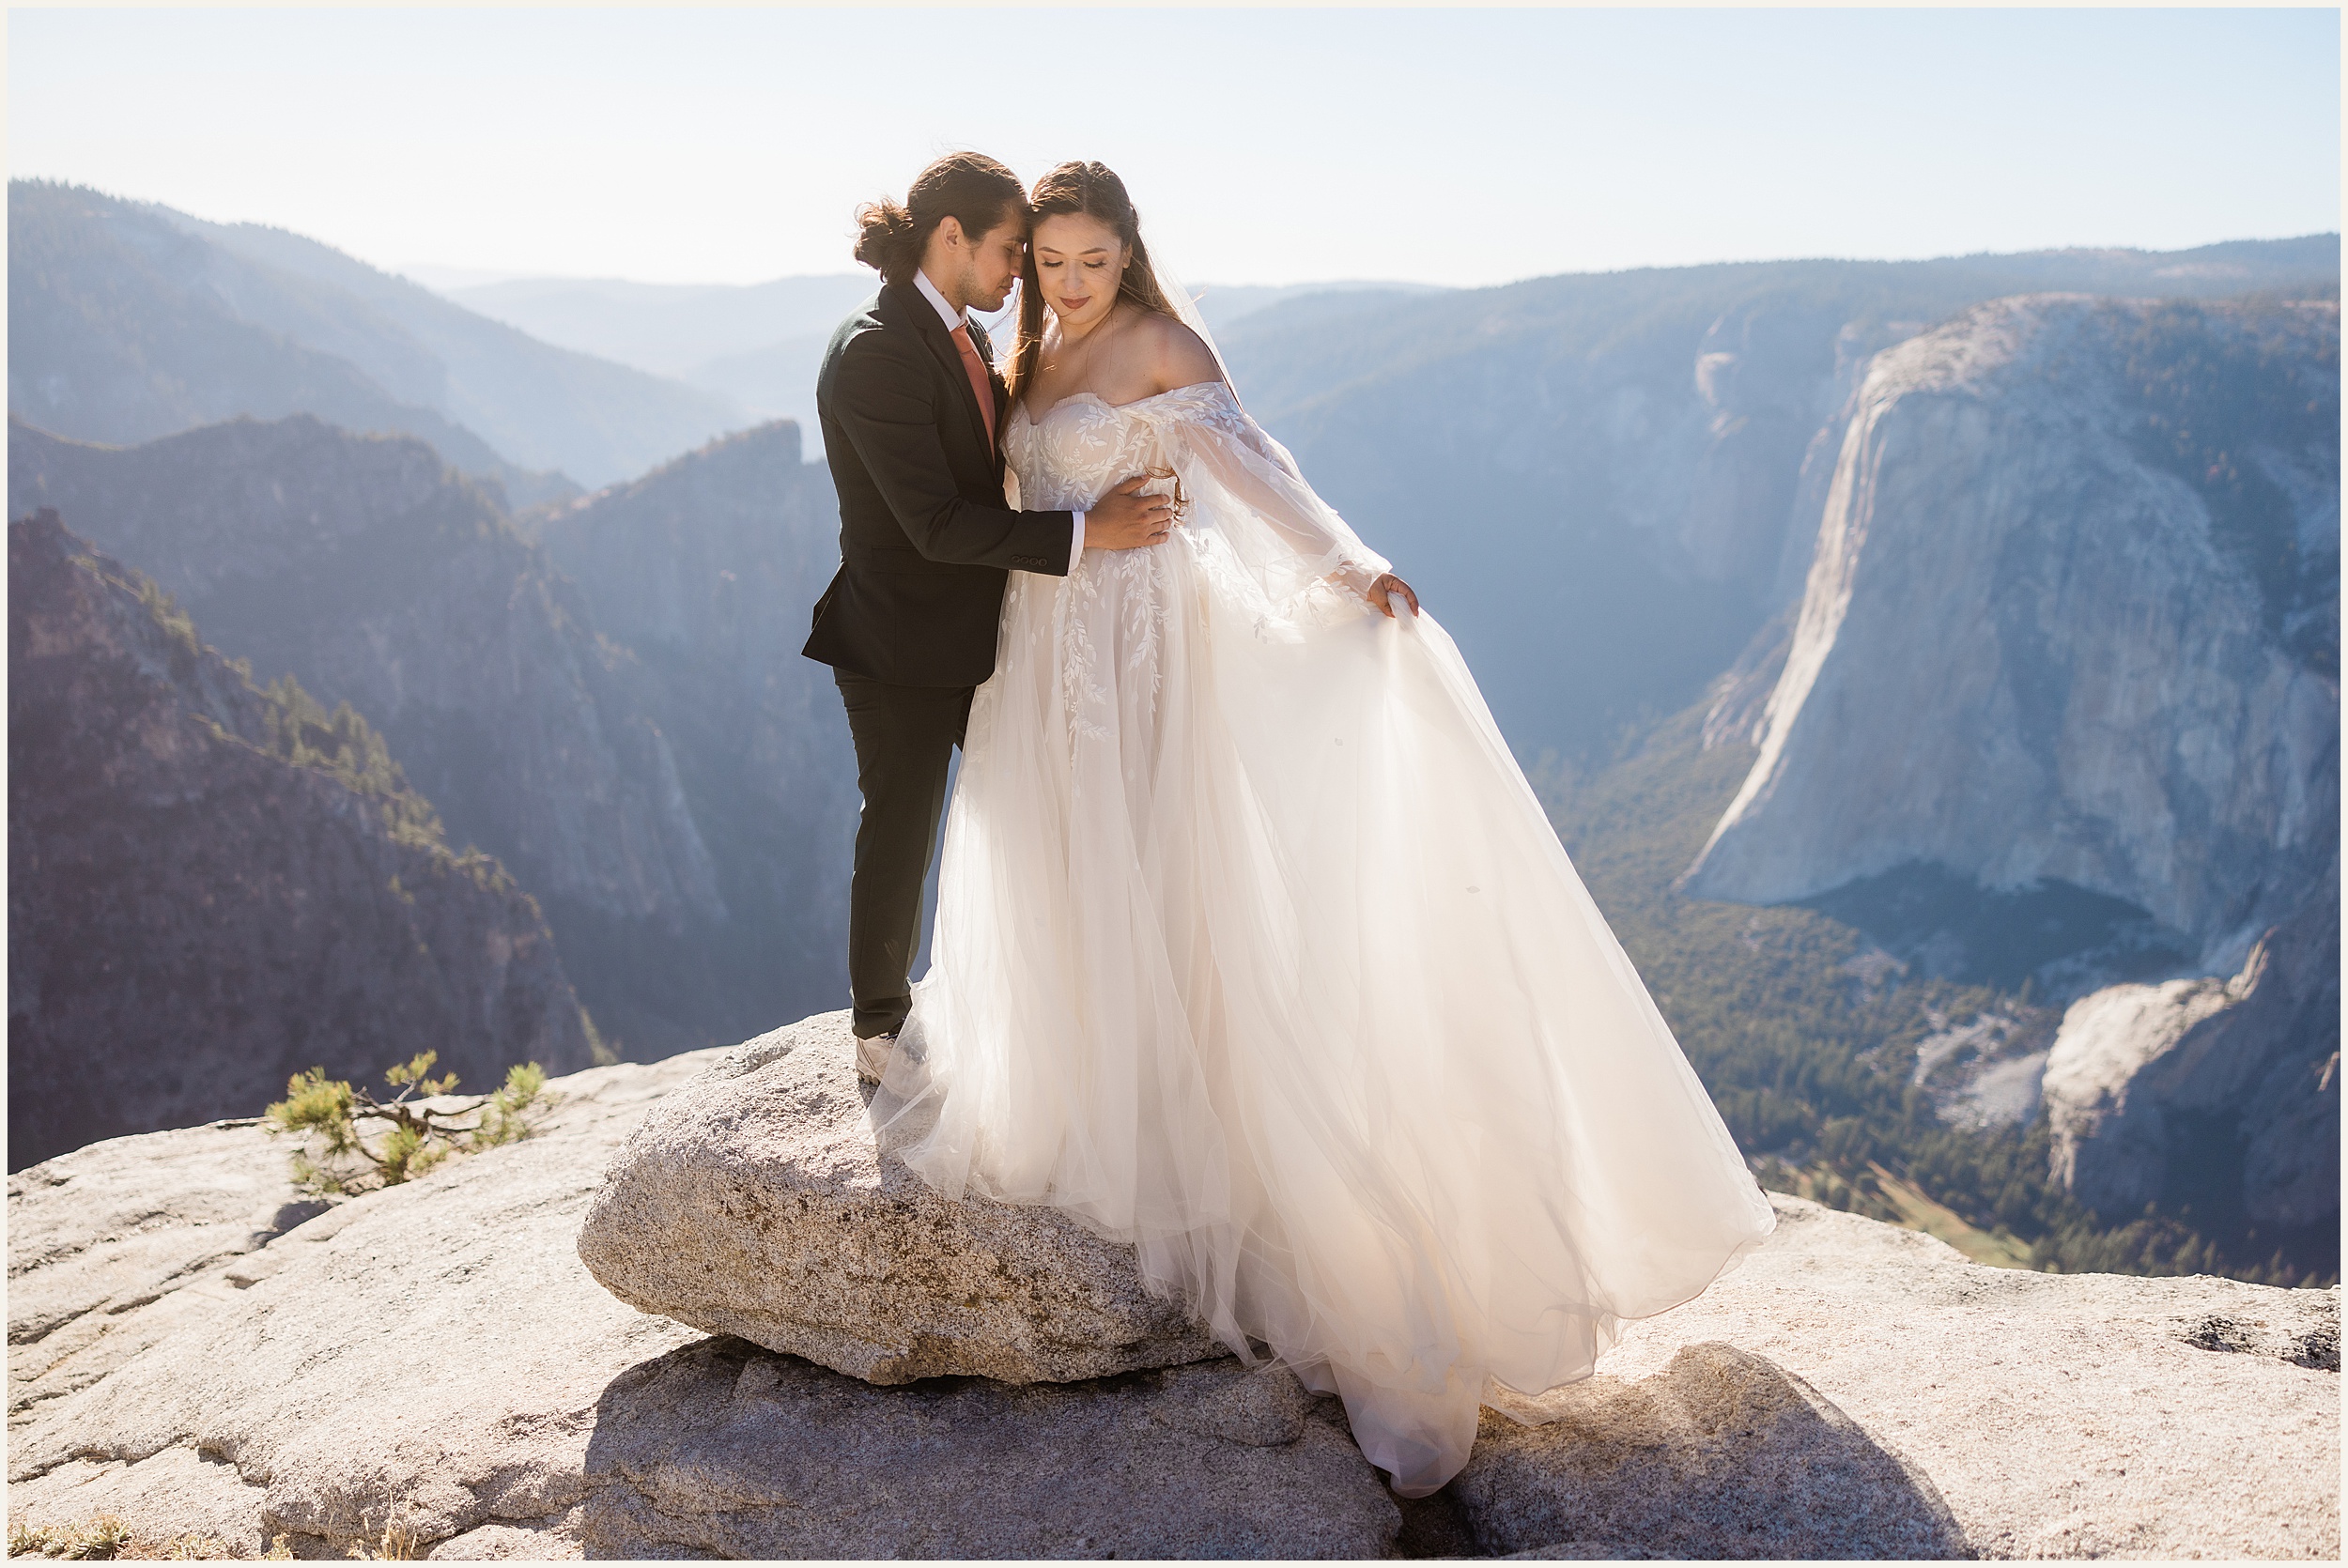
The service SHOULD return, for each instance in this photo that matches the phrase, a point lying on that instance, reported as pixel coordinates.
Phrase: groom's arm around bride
(912, 412)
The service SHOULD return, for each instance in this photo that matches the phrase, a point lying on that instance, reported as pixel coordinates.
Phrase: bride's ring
(1176, 503)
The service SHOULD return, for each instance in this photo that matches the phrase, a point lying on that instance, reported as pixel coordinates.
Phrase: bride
(1254, 947)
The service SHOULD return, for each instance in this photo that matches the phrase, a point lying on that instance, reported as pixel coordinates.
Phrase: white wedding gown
(1254, 948)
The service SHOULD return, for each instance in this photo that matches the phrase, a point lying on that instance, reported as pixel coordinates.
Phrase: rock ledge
(752, 1202)
(195, 1349)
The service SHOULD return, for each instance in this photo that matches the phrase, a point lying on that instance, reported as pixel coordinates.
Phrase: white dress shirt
(954, 318)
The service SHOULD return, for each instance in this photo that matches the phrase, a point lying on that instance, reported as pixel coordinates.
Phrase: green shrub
(338, 1156)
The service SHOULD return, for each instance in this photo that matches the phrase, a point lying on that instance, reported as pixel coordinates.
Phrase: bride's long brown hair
(1094, 191)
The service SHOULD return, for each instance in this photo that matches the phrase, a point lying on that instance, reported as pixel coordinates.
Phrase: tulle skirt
(1255, 950)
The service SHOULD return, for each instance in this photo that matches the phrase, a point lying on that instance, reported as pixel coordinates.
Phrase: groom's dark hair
(968, 187)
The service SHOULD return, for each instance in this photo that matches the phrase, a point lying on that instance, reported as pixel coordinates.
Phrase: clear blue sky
(1261, 146)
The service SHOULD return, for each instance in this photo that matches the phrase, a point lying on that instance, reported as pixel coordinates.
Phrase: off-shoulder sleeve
(1248, 487)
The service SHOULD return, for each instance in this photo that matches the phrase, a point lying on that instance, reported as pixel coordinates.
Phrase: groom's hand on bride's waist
(1125, 519)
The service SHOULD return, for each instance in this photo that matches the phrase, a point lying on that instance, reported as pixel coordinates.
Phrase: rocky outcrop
(721, 1449)
(434, 1354)
(2173, 1090)
(753, 1201)
(377, 577)
(433, 1342)
(103, 1239)
(1721, 1455)
(1862, 1391)
(212, 888)
(189, 1351)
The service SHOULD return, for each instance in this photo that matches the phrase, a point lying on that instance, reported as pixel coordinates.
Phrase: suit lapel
(941, 345)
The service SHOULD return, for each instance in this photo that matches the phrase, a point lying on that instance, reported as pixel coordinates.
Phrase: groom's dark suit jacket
(926, 543)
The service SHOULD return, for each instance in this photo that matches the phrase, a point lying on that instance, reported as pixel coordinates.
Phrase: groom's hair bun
(968, 187)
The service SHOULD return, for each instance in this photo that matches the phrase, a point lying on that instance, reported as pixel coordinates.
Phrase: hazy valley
(1933, 667)
(128, 321)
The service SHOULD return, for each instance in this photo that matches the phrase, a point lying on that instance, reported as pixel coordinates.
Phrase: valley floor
(1807, 1035)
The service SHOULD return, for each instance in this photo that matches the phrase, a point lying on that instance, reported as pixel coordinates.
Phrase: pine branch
(334, 1154)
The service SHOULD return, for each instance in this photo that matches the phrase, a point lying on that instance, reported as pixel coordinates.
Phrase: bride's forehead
(1072, 234)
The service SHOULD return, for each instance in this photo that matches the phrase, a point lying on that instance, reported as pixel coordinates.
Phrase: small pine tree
(335, 1156)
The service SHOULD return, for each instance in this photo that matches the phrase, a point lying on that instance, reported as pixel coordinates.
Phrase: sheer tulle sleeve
(1246, 486)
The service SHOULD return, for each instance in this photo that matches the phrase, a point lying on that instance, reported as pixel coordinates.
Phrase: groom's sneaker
(872, 1057)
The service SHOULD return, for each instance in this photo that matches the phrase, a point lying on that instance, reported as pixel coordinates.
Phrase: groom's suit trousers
(905, 740)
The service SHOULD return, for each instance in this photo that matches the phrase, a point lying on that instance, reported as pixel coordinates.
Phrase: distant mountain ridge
(1611, 488)
(761, 345)
(667, 328)
(117, 333)
(671, 329)
(1607, 482)
(130, 320)
(548, 406)
(756, 346)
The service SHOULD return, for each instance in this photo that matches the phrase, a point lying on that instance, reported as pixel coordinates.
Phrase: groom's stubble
(976, 275)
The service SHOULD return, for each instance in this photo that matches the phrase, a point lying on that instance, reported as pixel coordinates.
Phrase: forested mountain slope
(212, 887)
(377, 578)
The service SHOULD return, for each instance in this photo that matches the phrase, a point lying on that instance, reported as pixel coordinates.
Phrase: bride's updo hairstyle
(968, 187)
(1094, 191)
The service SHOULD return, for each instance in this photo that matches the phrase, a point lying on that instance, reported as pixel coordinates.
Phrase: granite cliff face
(211, 887)
(2211, 1092)
(377, 577)
(2030, 651)
(2060, 702)
(706, 570)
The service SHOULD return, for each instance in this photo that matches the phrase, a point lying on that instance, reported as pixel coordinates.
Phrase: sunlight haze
(1261, 146)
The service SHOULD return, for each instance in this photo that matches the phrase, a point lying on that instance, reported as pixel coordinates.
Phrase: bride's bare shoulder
(1178, 357)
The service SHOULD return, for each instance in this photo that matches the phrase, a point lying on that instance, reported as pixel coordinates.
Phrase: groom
(912, 413)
